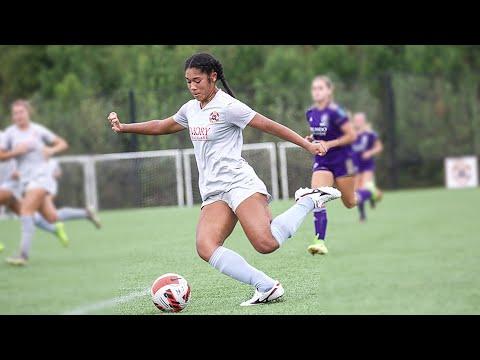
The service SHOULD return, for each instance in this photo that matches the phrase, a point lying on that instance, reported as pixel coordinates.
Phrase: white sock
(71, 214)
(285, 225)
(43, 224)
(28, 230)
(230, 263)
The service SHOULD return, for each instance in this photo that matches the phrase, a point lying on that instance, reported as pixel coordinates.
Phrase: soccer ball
(170, 293)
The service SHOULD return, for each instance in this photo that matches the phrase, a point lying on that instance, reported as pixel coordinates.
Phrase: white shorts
(18, 188)
(12, 186)
(235, 196)
(43, 182)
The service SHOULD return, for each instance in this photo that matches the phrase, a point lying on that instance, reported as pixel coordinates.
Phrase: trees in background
(423, 100)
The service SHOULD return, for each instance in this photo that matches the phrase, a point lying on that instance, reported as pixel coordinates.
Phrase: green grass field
(419, 253)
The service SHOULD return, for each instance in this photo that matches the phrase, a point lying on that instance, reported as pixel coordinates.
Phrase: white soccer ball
(170, 292)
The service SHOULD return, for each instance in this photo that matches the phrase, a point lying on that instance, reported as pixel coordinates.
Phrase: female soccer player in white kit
(31, 145)
(229, 186)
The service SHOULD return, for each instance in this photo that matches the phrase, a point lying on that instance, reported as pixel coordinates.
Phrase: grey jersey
(32, 164)
(216, 134)
(6, 167)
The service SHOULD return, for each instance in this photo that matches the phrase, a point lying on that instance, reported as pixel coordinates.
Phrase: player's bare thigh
(216, 223)
(346, 185)
(32, 200)
(48, 209)
(6, 197)
(255, 217)
(322, 178)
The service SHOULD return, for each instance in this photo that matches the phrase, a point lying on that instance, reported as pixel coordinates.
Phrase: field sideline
(418, 254)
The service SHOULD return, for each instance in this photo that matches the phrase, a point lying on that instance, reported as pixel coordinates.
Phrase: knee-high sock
(363, 195)
(361, 210)
(67, 213)
(230, 263)
(43, 224)
(287, 223)
(28, 230)
(320, 222)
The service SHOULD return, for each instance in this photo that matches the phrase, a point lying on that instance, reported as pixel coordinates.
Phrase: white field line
(83, 310)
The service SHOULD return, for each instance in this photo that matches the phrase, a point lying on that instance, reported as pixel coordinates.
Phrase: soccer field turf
(418, 253)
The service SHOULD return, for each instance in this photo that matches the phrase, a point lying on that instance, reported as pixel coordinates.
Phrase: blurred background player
(31, 145)
(365, 148)
(330, 127)
(64, 213)
(11, 197)
(231, 190)
(6, 169)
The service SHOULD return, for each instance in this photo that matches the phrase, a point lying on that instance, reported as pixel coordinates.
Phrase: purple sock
(320, 222)
(363, 195)
(361, 210)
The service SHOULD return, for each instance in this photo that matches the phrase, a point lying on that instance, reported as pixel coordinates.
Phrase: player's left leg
(368, 182)
(30, 204)
(266, 235)
(47, 219)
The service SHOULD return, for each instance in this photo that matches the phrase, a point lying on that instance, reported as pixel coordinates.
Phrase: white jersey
(54, 168)
(216, 134)
(33, 164)
(6, 167)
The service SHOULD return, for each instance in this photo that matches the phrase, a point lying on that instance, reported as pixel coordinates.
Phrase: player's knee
(266, 245)
(51, 218)
(205, 250)
(349, 203)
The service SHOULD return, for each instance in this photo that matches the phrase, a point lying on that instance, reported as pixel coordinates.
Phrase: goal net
(295, 168)
(123, 180)
(262, 157)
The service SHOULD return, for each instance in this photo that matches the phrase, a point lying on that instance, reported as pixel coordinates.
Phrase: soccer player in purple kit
(330, 126)
(365, 148)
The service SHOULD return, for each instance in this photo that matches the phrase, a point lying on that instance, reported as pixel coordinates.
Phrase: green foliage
(435, 90)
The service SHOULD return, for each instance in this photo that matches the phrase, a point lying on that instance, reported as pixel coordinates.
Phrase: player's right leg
(320, 178)
(30, 204)
(216, 223)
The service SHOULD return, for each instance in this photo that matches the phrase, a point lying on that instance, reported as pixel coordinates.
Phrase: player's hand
(309, 138)
(318, 148)
(115, 122)
(47, 152)
(15, 175)
(366, 155)
(22, 148)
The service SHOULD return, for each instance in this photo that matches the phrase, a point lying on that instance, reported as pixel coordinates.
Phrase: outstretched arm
(153, 127)
(349, 136)
(377, 149)
(264, 124)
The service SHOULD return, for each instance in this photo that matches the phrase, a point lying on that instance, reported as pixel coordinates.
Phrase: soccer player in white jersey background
(31, 146)
(230, 189)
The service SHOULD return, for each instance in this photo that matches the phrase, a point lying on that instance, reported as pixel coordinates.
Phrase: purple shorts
(339, 166)
(366, 165)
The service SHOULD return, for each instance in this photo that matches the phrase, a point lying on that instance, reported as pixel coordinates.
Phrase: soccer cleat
(61, 234)
(258, 298)
(318, 247)
(17, 260)
(319, 195)
(93, 217)
(2, 247)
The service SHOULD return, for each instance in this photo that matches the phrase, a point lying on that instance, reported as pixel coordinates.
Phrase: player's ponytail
(208, 64)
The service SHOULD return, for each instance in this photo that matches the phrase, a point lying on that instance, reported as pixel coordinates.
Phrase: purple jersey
(365, 142)
(326, 125)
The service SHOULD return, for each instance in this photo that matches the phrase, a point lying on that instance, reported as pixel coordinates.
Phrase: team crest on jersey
(214, 117)
(324, 120)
